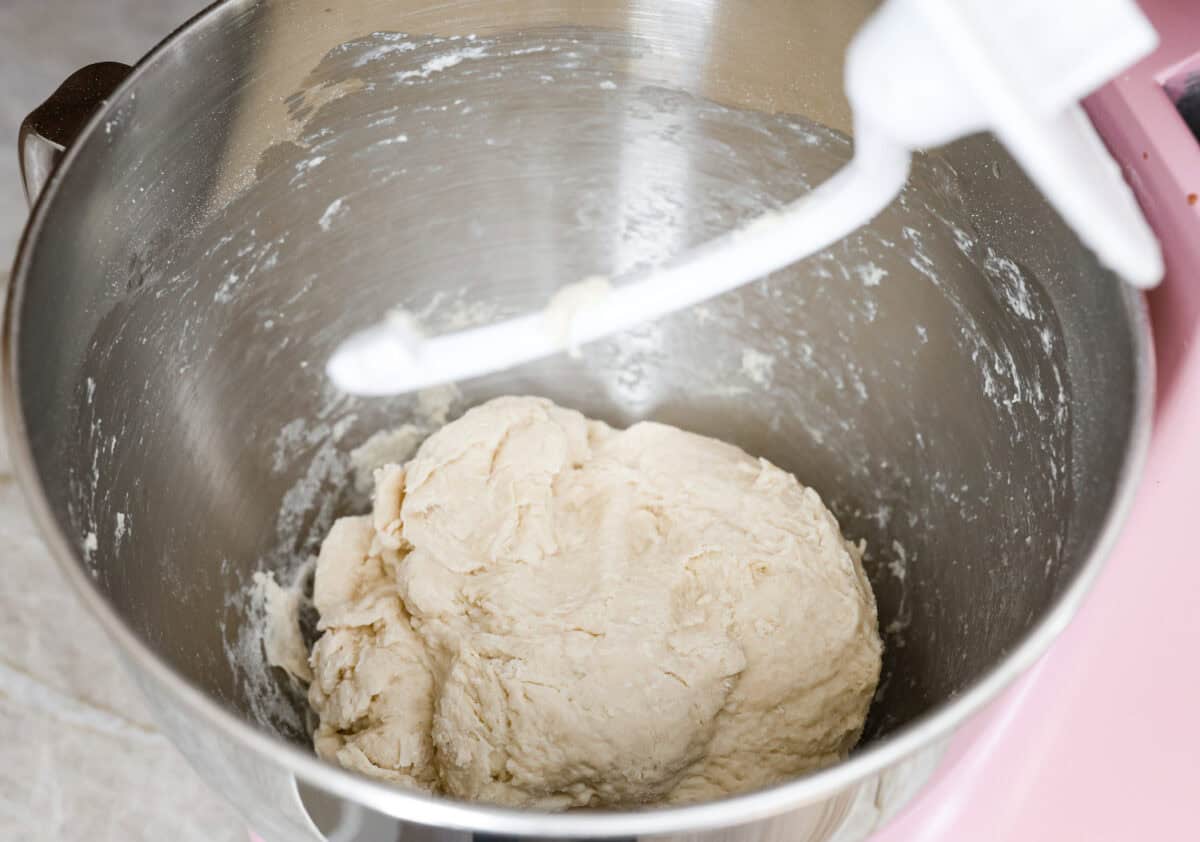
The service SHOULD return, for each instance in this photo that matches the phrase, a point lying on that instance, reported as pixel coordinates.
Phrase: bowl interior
(957, 379)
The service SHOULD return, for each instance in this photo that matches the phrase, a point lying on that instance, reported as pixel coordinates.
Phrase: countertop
(80, 756)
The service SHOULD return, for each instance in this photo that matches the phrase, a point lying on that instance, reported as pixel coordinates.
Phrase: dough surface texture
(545, 612)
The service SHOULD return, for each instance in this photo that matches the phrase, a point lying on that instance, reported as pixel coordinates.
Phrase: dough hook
(919, 73)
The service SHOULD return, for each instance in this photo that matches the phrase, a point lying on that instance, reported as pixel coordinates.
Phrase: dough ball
(546, 612)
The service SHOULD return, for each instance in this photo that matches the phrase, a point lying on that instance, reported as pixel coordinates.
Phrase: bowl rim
(408, 805)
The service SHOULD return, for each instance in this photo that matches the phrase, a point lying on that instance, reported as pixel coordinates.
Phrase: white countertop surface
(80, 757)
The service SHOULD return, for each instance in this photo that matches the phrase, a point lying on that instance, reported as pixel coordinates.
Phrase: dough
(546, 612)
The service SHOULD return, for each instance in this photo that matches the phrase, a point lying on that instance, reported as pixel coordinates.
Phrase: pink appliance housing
(1100, 741)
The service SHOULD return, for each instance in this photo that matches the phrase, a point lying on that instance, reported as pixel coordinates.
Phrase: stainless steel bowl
(960, 381)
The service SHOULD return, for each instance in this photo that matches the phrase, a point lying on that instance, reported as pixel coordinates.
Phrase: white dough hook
(919, 73)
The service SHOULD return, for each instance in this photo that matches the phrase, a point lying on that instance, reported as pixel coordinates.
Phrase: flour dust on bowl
(962, 384)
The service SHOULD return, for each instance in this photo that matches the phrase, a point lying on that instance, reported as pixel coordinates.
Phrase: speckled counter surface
(80, 757)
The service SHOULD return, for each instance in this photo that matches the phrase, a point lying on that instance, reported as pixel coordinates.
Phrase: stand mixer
(130, 350)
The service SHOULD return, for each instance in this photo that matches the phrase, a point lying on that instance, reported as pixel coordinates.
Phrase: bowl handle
(52, 126)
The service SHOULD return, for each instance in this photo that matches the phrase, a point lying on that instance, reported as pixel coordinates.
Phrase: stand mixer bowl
(965, 387)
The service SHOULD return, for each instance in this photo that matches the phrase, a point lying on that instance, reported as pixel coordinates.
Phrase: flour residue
(870, 274)
(758, 367)
(119, 530)
(898, 566)
(1011, 285)
(442, 62)
(389, 141)
(396, 43)
(331, 213)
